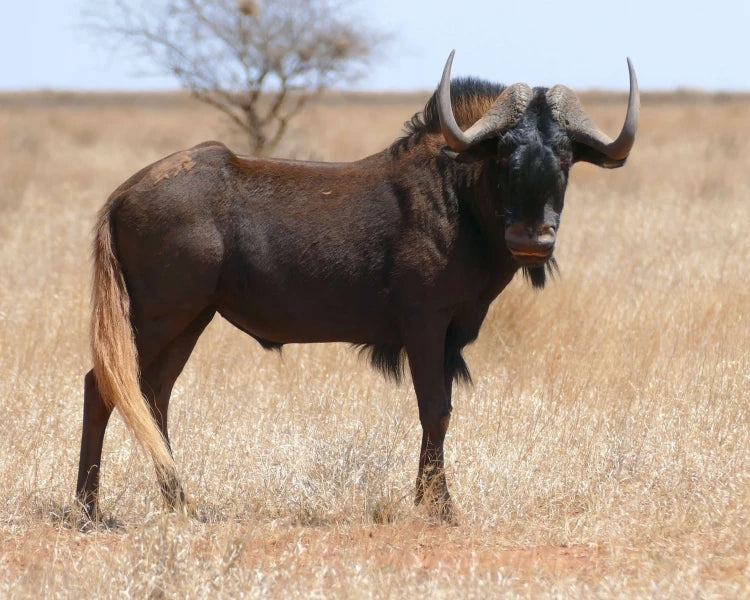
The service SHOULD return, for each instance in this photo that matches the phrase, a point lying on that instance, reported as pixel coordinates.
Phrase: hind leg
(158, 377)
(95, 417)
(164, 347)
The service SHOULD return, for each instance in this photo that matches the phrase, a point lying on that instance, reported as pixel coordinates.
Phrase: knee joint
(444, 423)
(436, 426)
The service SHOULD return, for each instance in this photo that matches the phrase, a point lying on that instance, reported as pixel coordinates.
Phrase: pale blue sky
(582, 43)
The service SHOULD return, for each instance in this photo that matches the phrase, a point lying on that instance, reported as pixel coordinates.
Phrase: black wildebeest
(400, 253)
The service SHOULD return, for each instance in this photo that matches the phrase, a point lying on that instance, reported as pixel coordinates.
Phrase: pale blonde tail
(114, 351)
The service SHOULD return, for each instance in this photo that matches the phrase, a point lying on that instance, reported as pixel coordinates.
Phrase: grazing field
(604, 450)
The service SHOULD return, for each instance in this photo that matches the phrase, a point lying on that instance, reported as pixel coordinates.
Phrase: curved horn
(568, 112)
(506, 110)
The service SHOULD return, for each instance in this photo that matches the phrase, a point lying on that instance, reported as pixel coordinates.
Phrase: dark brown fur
(400, 253)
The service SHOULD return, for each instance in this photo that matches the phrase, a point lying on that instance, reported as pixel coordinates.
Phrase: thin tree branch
(258, 68)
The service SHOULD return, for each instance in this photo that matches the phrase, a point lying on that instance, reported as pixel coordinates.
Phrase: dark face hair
(535, 158)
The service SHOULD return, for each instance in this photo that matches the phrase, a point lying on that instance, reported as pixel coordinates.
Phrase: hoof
(439, 508)
(182, 505)
(442, 509)
(85, 523)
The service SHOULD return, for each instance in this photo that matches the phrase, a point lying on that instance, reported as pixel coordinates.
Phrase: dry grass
(603, 452)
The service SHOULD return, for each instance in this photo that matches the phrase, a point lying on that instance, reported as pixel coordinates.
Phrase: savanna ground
(602, 452)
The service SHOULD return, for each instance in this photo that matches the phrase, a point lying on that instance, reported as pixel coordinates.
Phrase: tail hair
(114, 350)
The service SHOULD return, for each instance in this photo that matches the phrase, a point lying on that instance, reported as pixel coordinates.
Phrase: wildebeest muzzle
(530, 244)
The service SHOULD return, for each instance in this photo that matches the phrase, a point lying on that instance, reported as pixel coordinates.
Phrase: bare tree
(257, 61)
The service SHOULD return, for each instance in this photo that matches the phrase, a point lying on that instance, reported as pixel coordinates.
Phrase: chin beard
(537, 276)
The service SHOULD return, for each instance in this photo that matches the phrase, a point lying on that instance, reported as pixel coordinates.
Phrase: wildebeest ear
(584, 153)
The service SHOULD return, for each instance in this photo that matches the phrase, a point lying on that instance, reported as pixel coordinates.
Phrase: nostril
(547, 230)
(546, 237)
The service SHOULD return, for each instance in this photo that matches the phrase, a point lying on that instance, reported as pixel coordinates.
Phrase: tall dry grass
(602, 452)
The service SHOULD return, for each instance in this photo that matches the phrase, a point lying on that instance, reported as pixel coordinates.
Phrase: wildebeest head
(534, 136)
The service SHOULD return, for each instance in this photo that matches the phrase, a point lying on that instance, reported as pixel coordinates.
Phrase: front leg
(425, 348)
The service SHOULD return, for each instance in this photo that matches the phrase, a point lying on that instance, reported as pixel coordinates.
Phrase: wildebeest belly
(280, 301)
